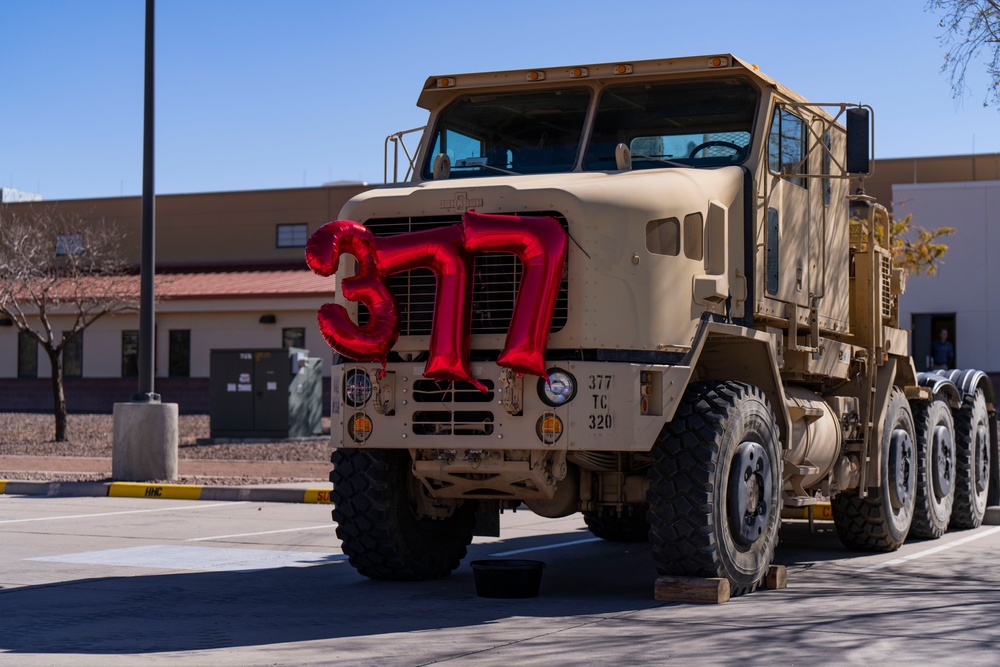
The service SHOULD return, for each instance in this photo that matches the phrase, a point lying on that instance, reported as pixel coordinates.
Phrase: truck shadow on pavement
(583, 585)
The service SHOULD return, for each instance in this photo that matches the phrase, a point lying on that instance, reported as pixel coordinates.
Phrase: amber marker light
(718, 62)
(360, 427)
(623, 69)
(578, 72)
(536, 76)
(549, 428)
(445, 82)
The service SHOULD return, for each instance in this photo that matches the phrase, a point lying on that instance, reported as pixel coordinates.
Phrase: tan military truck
(720, 343)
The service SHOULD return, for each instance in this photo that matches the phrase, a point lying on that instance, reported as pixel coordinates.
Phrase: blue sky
(259, 94)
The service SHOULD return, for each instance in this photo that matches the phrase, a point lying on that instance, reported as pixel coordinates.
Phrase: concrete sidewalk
(305, 470)
(301, 492)
(308, 485)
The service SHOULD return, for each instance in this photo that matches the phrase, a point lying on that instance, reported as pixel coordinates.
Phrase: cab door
(788, 234)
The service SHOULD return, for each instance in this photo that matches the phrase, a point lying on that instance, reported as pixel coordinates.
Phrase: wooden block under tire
(691, 589)
(777, 577)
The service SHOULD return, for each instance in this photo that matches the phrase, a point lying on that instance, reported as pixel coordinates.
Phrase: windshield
(690, 123)
(523, 133)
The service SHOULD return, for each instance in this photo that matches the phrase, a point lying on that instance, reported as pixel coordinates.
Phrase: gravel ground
(90, 435)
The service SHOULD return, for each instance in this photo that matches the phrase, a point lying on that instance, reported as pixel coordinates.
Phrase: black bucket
(507, 578)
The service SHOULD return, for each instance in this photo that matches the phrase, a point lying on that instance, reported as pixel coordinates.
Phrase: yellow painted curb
(317, 496)
(141, 490)
(3, 485)
(821, 512)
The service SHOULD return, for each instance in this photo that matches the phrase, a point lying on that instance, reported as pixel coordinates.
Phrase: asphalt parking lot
(105, 581)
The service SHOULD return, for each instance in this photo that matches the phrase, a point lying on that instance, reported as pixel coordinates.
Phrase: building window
(27, 355)
(130, 354)
(69, 244)
(786, 151)
(293, 337)
(180, 353)
(73, 356)
(292, 236)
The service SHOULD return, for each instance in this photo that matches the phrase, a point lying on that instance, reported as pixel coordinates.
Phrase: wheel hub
(749, 493)
(982, 459)
(901, 481)
(942, 467)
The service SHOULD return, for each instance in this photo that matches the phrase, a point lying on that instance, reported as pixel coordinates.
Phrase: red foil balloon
(373, 341)
(540, 243)
(441, 251)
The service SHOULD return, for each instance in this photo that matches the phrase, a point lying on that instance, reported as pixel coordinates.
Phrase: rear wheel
(630, 525)
(383, 532)
(880, 521)
(935, 433)
(972, 472)
(715, 486)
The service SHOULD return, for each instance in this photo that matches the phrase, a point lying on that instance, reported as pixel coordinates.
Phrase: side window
(180, 353)
(27, 355)
(73, 356)
(69, 244)
(786, 146)
(130, 353)
(295, 337)
(292, 235)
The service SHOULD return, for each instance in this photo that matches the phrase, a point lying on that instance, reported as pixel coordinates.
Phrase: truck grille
(497, 276)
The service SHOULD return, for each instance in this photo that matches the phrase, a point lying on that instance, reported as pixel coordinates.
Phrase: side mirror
(858, 141)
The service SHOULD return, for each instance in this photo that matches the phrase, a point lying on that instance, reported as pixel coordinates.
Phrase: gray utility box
(275, 393)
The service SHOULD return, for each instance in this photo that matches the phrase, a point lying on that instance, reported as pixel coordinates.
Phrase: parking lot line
(263, 532)
(88, 516)
(547, 546)
(928, 552)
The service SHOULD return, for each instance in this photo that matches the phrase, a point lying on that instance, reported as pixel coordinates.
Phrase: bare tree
(59, 266)
(972, 29)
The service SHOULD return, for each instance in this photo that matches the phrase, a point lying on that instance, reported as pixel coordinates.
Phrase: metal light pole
(145, 430)
(147, 267)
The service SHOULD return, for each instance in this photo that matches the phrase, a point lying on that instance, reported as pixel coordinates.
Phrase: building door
(926, 329)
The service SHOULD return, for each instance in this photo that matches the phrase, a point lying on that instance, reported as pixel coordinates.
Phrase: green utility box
(273, 393)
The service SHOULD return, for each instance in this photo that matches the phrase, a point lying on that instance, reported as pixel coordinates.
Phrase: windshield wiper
(480, 162)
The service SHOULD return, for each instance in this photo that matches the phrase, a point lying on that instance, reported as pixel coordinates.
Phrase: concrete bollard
(144, 442)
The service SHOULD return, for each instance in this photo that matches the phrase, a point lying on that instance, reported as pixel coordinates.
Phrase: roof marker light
(623, 69)
(445, 82)
(718, 61)
(536, 75)
(578, 72)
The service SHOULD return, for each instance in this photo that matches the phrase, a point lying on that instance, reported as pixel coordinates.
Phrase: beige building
(230, 274)
(960, 191)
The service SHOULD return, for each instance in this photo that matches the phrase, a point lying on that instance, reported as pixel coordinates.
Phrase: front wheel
(379, 524)
(715, 486)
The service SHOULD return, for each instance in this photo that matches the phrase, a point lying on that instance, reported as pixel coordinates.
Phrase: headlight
(560, 388)
(357, 388)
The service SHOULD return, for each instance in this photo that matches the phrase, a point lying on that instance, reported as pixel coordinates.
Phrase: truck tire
(972, 471)
(881, 521)
(629, 526)
(377, 524)
(935, 431)
(715, 485)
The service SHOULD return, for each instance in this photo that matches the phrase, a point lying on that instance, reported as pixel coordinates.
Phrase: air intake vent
(495, 282)
(886, 291)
